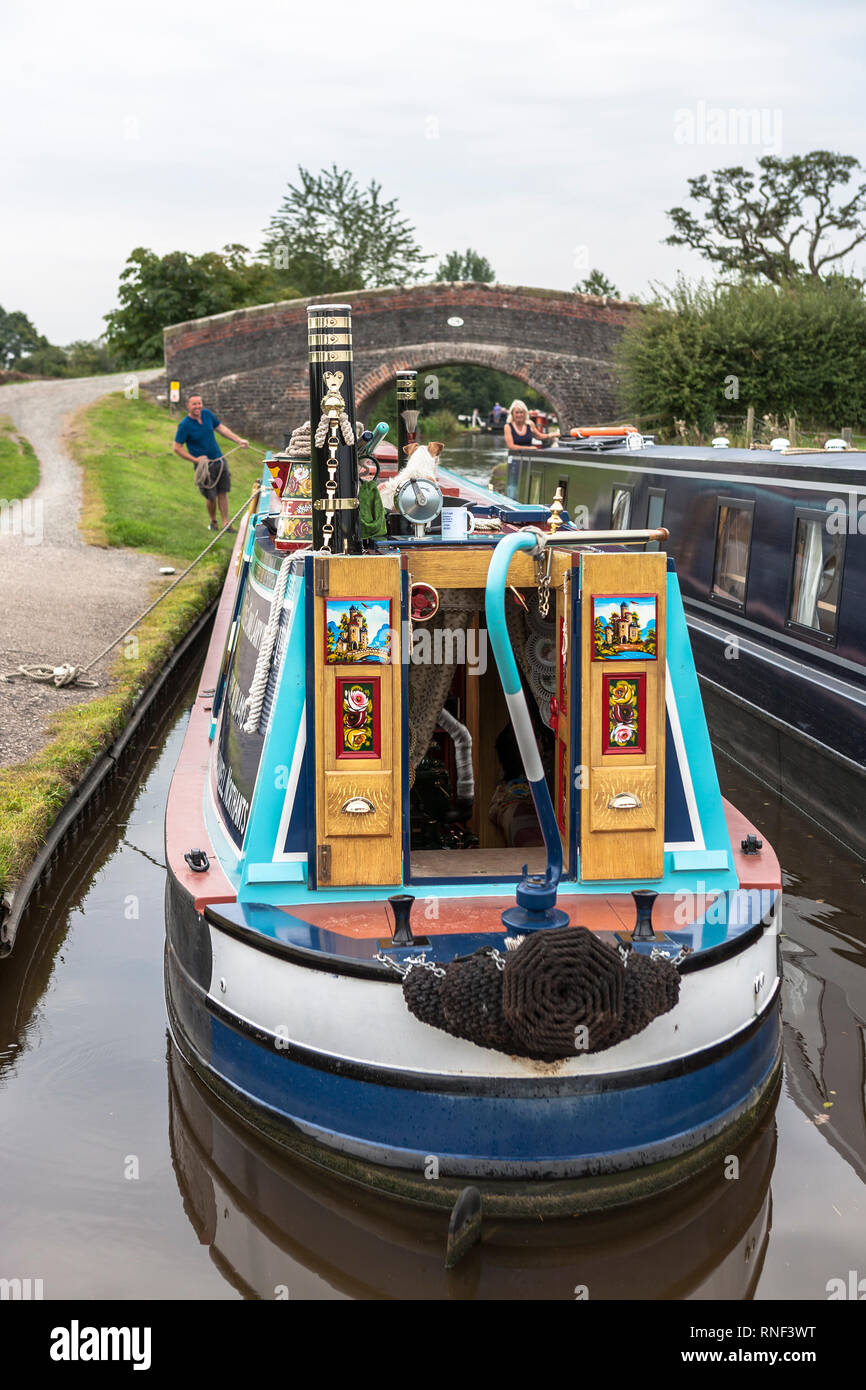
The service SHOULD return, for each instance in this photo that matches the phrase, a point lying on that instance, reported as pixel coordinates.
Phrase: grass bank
(19, 467)
(136, 493)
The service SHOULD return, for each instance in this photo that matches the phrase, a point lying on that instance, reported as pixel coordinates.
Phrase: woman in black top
(519, 429)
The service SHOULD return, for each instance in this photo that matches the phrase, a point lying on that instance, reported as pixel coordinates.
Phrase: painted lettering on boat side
(236, 805)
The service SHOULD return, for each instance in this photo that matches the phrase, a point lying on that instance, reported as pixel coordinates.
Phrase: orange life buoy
(613, 431)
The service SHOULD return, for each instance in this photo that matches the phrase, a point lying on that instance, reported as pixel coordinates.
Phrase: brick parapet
(251, 364)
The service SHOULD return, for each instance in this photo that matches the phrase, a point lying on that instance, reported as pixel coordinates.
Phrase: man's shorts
(223, 483)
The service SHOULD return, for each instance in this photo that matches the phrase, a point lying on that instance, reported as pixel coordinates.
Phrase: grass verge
(136, 493)
(33, 792)
(19, 467)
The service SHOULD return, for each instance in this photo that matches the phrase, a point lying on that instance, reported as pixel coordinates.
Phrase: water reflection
(824, 982)
(262, 1214)
(85, 1082)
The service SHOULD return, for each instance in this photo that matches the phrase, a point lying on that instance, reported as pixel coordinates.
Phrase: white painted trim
(295, 856)
(525, 735)
(805, 484)
(368, 1022)
(697, 842)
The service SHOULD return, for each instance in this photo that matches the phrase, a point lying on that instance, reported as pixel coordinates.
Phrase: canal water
(473, 455)
(122, 1178)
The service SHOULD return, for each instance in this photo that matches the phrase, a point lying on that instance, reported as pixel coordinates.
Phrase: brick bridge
(251, 364)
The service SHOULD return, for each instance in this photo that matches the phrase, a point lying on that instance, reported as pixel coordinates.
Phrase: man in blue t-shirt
(196, 441)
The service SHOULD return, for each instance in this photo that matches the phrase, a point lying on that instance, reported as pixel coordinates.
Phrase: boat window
(733, 542)
(620, 508)
(563, 483)
(655, 510)
(535, 486)
(816, 576)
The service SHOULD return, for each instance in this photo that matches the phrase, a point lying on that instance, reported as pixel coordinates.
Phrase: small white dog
(421, 462)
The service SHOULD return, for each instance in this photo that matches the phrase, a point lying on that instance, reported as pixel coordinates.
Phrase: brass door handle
(624, 801)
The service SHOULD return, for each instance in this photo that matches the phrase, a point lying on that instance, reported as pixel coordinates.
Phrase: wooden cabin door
(622, 809)
(358, 719)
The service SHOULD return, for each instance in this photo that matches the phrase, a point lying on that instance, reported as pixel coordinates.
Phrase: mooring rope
(266, 650)
(65, 673)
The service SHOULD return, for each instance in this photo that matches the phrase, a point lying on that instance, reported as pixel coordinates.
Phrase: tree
(89, 358)
(18, 336)
(752, 223)
(466, 265)
(703, 353)
(156, 291)
(46, 359)
(330, 235)
(597, 283)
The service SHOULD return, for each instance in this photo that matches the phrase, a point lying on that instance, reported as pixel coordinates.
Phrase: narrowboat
(771, 557)
(453, 898)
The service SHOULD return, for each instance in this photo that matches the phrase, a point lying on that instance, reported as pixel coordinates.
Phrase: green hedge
(797, 351)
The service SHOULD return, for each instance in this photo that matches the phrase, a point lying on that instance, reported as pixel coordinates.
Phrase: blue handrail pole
(536, 894)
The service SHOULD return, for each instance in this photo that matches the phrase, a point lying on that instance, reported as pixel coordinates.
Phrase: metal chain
(543, 566)
(658, 954)
(331, 484)
(414, 963)
(567, 612)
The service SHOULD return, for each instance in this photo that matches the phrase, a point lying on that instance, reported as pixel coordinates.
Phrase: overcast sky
(551, 136)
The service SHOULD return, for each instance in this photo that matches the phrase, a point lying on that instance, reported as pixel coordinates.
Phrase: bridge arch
(251, 364)
(426, 356)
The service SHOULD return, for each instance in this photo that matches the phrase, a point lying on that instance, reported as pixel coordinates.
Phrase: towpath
(60, 600)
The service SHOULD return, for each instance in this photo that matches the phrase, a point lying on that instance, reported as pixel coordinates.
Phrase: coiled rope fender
(266, 650)
(560, 993)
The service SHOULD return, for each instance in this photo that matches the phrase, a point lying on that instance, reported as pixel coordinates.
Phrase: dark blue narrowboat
(437, 920)
(771, 557)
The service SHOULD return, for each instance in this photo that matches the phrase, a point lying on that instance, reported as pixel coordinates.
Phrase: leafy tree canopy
(46, 359)
(597, 282)
(702, 353)
(783, 222)
(156, 291)
(466, 265)
(18, 336)
(331, 236)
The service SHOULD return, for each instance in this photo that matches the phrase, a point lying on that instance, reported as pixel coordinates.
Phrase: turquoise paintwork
(285, 727)
(497, 628)
(263, 879)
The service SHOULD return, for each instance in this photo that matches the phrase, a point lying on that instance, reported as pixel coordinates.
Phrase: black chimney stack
(336, 523)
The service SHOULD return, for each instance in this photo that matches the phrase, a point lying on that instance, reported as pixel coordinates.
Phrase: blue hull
(503, 1130)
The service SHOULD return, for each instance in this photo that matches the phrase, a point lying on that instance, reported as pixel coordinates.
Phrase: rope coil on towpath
(65, 673)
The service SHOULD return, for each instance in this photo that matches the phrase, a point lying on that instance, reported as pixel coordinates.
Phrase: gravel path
(60, 600)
